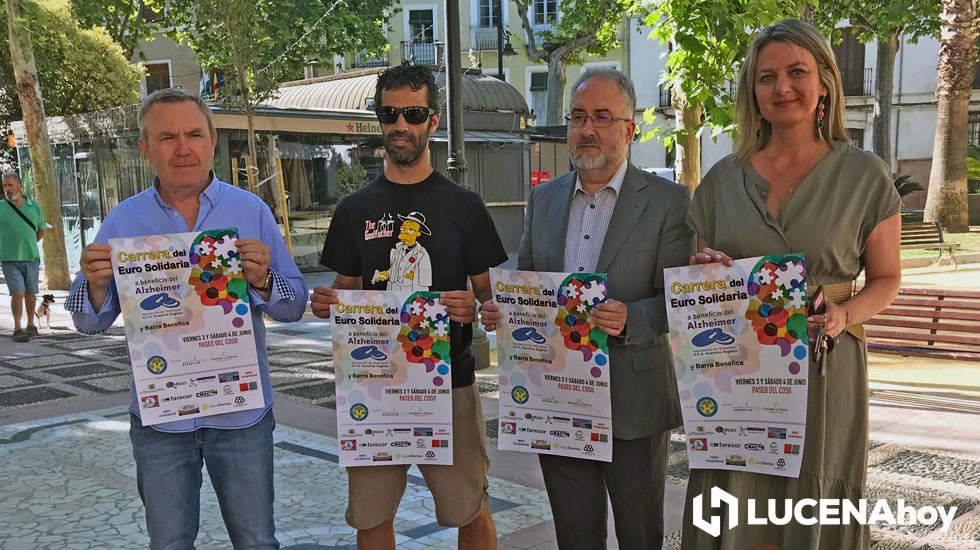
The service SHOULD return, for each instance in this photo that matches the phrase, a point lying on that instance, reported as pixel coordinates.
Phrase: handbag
(21, 214)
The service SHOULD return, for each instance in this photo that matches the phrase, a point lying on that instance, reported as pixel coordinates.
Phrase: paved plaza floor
(68, 476)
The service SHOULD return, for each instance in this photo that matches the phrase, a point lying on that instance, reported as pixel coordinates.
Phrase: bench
(928, 322)
(926, 235)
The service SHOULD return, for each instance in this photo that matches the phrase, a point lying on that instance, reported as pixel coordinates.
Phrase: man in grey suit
(607, 216)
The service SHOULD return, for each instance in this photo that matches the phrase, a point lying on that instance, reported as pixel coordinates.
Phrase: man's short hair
(13, 175)
(622, 81)
(415, 76)
(172, 95)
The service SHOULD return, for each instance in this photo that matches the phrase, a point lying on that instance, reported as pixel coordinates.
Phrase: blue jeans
(168, 475)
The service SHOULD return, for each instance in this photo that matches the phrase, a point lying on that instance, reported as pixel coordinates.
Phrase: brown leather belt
(840, 293)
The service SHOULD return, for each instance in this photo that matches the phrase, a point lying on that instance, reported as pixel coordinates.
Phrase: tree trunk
(250, 120)
(884, 85)
(946, 203)
(809, 13)
(556, 87)
(42, 168)
(687, 161)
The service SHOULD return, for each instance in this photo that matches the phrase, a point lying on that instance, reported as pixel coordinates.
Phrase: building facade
(320, 134)
(913, 121)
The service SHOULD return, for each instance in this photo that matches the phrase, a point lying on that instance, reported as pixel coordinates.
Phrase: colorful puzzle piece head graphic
(576, 297)
(777, 301)
(216, 272)
(424, 336)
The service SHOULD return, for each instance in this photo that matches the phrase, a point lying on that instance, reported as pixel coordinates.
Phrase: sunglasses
(413, 115)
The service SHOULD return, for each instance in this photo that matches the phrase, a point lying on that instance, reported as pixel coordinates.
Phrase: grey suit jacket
(647, 233)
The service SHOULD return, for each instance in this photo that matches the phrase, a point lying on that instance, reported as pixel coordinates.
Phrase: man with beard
(449, 229)
(609, 217)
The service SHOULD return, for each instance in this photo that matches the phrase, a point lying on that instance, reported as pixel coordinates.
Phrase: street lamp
(502, 49)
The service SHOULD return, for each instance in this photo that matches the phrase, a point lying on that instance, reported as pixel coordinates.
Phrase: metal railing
(485, 38)
(858, 81)
(973, 129)
(365, 61)
(422, 53)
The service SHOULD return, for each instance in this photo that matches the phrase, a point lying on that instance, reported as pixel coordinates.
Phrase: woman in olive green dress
(795, 184)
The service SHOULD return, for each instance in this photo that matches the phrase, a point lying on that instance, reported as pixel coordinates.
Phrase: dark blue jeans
(168, 475)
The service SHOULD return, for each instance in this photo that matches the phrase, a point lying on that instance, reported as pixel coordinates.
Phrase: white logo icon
(718, 496)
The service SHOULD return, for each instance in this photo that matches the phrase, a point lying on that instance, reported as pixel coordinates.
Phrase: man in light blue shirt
(177, 136)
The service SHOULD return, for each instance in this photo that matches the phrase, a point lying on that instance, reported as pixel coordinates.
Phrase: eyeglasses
(413, 115)
(599, 120)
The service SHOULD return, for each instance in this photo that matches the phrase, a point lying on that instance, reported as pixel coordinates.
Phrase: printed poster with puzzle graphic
(394, 378)
(740, 347)
(554, 364)
(188, 322)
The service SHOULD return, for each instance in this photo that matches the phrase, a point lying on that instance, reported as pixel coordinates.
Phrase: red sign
(539, 176)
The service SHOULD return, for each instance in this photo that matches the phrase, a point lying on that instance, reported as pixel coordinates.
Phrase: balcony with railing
(366, 61)
(485, 38)
(665, 100)
(858, 81)
(422, 53)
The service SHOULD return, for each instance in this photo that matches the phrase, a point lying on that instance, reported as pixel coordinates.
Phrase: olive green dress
(829, 218)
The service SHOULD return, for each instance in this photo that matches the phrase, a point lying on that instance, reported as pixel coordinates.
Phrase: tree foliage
(80, 70)
(272, 40)
(885, 22)
(260, 43)
(126, 21)
(878, 19)
(582, 27)
(709, 40)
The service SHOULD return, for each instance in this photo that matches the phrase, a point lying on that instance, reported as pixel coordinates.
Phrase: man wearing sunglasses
(445, 236)
(609, 217)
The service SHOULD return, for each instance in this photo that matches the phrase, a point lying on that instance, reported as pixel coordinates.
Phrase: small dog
(44, 310)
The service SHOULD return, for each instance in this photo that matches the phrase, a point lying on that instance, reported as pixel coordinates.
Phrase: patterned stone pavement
(69, 482)
(69, 479)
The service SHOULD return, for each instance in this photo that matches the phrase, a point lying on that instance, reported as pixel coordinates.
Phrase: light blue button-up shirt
(222, 206)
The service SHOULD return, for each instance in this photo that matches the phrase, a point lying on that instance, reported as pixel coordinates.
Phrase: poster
(394, 378)
(739, 340)
(554, 364)
(188, 321)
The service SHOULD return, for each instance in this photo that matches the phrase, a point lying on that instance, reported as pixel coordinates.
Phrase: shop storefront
(320, 135)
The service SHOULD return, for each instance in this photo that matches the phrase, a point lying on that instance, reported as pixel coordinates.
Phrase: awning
(473, 136)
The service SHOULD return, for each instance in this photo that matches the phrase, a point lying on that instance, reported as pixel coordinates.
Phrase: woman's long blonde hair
(748, 119)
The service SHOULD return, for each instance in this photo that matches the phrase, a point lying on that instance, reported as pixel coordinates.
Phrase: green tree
(946, 203)
(21, 48)
(885, 21)
(259, 43)
(708, 41)
(580, 27)
(126, 21)
(80, 70)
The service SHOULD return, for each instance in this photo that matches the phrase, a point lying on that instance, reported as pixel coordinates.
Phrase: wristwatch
(266, 284)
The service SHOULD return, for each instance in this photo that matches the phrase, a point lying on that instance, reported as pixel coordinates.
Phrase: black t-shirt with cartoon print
(431, 235)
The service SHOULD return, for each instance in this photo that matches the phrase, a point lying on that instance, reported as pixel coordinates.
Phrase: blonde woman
(795, 184)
